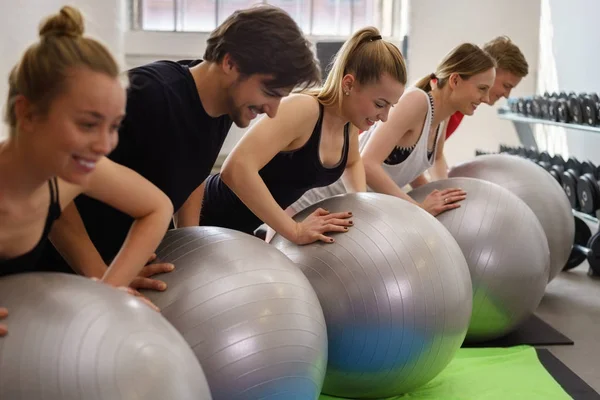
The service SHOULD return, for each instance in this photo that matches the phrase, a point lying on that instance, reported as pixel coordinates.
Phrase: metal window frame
(136, 16)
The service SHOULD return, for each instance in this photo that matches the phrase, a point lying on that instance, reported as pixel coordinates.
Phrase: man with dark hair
(178, 116)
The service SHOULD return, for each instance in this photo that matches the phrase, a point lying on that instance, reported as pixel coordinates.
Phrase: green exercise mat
(490, 374)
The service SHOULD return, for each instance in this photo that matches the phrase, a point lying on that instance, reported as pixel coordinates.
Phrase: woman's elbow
(164, 208)
(232, 170)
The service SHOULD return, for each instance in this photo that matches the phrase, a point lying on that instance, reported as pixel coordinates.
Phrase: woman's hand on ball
(137, 294)
(439, 201)
(144, 280)
(134, 293)
(3, 328)
(319, 222)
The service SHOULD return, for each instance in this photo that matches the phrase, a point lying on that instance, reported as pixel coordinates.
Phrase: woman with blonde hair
(396, 152)
(312, 142)
(65, 103)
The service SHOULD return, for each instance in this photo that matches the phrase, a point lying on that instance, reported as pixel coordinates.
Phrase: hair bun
(68, 22)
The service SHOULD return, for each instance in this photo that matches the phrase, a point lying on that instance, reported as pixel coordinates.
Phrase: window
(315, 17)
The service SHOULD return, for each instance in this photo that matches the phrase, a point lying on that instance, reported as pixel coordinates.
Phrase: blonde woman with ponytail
(65, 103)
(396, 152)
(312, 142)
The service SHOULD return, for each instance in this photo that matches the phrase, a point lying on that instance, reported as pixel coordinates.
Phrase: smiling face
(79, 127)
(366, 104)
(504, 83)
(467, 94)
(250, 96)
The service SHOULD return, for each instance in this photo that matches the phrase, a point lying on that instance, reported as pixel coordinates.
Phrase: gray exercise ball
(396, 294)
(247, 311)
(538, 189)
(70, 338)
(506, 250)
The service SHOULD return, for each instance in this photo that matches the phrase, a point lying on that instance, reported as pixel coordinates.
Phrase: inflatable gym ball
(396, 294)
(249, 314)
(538, 189)
(506, 250)
(70, 338)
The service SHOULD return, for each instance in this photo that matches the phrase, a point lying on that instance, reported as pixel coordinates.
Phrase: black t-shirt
(167, 137)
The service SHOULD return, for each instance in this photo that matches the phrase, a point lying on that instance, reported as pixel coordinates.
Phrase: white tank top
(402, 174)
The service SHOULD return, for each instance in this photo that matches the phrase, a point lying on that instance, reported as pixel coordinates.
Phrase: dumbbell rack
(586, 225)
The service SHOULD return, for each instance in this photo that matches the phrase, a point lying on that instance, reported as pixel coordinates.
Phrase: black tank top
(287, 176)
(27, 262)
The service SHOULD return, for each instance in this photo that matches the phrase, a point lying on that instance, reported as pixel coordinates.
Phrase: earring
(347, 93)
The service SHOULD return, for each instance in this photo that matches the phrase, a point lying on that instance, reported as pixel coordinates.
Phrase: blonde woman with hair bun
(65, 103)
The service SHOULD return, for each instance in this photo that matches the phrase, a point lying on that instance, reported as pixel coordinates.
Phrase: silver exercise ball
(396, 294)
(70, 338)
(538, 189)
(506, 250)
(249, 314)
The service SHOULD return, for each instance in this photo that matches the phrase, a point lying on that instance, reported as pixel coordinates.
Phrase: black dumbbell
(588, 188)
(562, 110)
(553, 103)
(532, 154)
(569, 181)
(591, 253)
(581, 238)
(536, 106)
(557, 168)
(588, 108)
(575, 108)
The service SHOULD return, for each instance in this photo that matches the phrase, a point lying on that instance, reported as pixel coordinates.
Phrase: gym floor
(572, 306)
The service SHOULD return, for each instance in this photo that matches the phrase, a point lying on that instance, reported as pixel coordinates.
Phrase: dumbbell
(589, 252)
(580, 240)
(569, 181)
(563, 113)
(554, 165)
(588, 188)
(575, 107)
(590, 107)
(532, 154)
(536, 105)
(558, 168)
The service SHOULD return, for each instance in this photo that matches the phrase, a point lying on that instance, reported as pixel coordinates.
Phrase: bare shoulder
(67, 192)
(299, 107)
(415, 99)
(410, 109)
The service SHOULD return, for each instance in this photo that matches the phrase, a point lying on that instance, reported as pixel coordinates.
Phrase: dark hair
(265, 40)
(466, 60)
(42, 72)
(508, 56)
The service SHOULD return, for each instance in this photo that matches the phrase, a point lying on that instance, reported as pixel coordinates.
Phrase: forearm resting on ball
(247, 184)
(71, 240)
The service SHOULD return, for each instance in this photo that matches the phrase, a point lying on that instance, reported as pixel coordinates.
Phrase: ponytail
(365, 55)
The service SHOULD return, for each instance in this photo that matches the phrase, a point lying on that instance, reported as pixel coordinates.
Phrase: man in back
(178, 116)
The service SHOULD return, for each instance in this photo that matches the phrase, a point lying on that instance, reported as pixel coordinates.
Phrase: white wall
(436, 26)
(20, 20)
(569, 61)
